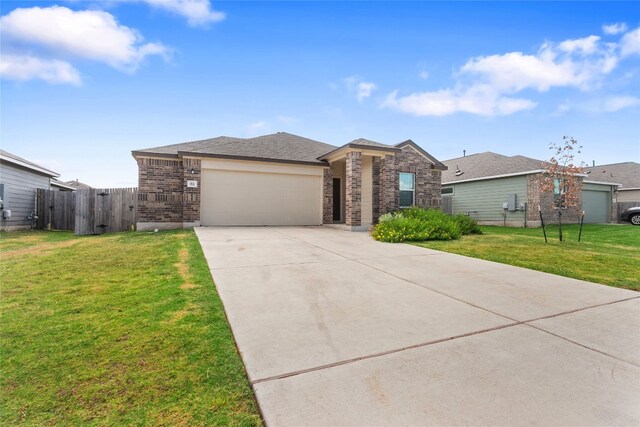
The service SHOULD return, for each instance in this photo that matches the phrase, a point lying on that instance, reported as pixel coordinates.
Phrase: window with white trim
(407, 189)
(446, 191)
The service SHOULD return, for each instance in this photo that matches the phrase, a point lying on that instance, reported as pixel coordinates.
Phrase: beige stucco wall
(260, 193)
(367, 190)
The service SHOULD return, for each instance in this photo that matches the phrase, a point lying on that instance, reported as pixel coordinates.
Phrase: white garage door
(231, 197)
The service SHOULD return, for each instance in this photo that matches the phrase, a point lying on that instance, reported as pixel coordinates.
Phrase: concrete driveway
(337, 329)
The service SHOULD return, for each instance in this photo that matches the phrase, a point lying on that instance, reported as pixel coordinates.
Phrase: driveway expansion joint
(381, 354)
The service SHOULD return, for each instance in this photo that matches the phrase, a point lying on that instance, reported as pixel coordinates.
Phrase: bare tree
(563, 177)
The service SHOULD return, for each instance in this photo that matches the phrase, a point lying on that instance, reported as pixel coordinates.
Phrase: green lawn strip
(117, 329)
(608, 254)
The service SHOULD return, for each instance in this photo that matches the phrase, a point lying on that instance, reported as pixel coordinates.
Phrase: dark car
(632, 215)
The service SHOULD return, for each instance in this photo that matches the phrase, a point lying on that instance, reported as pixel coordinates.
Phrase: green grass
(116, 329)
(608, 254)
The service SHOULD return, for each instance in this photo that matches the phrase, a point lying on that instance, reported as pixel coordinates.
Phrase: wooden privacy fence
(447, 204)
(93, 211)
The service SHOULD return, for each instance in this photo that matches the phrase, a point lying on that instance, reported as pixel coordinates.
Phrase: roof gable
(437, 163)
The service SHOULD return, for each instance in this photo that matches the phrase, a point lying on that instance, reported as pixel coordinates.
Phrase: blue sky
(85, 82)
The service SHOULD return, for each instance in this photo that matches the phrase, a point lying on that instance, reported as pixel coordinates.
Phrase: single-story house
(505, 190)
(60, 186)
(77, 185)
(19, 179)
(627, 174)
(281, 179)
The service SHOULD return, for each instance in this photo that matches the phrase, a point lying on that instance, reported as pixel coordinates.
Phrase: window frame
(412, 190)
(453, 191)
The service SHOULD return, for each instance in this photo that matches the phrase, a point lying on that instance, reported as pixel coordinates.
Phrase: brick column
(327, 196)
(191, 195)
(353, 208)
(388, 185)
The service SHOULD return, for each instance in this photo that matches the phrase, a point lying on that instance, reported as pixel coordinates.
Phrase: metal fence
(93, 211)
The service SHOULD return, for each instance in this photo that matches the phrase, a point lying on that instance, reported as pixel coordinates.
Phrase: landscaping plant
(562, 177)
(418, 224)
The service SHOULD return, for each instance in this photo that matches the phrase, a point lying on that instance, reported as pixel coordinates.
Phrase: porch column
(353, 208)
(388, 185)
(327, 196)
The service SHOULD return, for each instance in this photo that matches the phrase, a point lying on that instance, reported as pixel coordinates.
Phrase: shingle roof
(26, 163)
(487, 164)
(369, 143)
(627, 174)
(78, 185)
(278, 146)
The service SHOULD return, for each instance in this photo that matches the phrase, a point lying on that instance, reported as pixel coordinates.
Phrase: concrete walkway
(337, 329)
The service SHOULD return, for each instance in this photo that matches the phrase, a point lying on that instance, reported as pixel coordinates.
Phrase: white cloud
(579, 63)
(197, 12)
(257, 128)
(563, 108)
(17, 67)
(361, 89)
(586, 45)
(424, 75)
(620, 102)
(89, 34)
(613, 29)
(477, 100)
(630, 43)
(485, 85)
(364, 90)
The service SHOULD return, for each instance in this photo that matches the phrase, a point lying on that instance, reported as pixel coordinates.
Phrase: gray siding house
(505, 190)
(19, 179)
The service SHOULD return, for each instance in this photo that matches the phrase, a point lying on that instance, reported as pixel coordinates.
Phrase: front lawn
(608, 254)
(118, 329)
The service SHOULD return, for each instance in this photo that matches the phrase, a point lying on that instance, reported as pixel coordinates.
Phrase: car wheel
(635, 219)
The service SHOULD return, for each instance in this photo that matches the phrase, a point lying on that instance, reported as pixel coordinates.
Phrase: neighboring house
(19, 179)
(497, 189)
(627, 174)
(77, 185)
(60, 186)
(281, 179)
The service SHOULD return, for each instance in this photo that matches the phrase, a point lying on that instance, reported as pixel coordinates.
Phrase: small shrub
(401, 229)
(467, 224)
(416, 224)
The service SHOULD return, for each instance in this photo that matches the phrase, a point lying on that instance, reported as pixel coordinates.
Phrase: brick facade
(536, 197)
(164, 196)
(389, 195)
(327, 196)
(428, 181)
(160, 189)
(353, 208)
(191, 196)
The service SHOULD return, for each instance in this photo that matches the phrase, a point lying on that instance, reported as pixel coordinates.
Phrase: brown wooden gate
(93, 211)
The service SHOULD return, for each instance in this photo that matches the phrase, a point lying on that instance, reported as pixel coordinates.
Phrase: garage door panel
(596, 206)
(251, 198)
